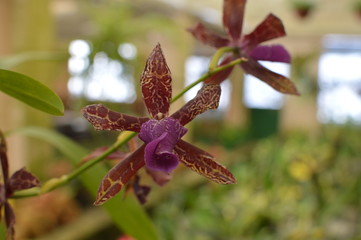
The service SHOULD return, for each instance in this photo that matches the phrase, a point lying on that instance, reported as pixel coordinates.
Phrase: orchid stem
(207, 75)
(217, 56)
(55, 183)
(123, 138)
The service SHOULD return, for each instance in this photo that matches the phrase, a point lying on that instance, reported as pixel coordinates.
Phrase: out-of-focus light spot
(77, 65)
(79, 48)
(195, 67)
(127, 51)
(339, 105)
(339, 78)
(210, 15)
(76, 86)
(104, 80)
(258, 94)
(338, 67)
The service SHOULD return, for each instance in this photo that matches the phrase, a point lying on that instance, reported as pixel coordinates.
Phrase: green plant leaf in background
(126, 213)
(14, 60)
(31, 92)
(2, 230)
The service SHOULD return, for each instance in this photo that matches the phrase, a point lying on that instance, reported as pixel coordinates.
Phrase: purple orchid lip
(161, 136)
(160, 158)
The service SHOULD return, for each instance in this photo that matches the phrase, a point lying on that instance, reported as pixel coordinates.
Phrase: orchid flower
(20, 180)
(161, 133)
(248, 46)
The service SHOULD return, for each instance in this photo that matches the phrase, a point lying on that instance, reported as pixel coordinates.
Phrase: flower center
(161, 136)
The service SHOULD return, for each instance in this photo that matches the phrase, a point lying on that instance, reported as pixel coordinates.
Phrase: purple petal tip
(274, 53)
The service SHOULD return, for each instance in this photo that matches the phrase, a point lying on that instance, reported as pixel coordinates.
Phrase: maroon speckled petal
(270, 28)
(275, 80)
(201, 33)
(156, 84)
(104, 119)
(206, 98)
(203, 163)
(119, 175)
(21, 180)
(274, 53)
(233, 13)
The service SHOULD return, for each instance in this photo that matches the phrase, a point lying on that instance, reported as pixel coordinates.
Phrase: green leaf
(31, 92)
(126, 212)
(20, 58)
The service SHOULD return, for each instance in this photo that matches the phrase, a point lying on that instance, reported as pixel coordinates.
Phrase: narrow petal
(156, 84)
(21, 180)
(274, 53)
(270, 28)
(219, 77)
(275, 80)
(140, 191)
(4, 158)
(233, 13)
(10, 221)
(104, 119)
(203, 163)
(206, 98)
(2, 197)
(119, 175)
(202, 34)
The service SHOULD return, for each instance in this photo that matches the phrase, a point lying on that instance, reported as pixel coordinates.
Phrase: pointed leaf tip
(31, 92)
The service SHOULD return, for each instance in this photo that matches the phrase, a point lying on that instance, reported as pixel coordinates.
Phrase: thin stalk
(218, 54)
(55, 183)
(110, 150)
(207, 75)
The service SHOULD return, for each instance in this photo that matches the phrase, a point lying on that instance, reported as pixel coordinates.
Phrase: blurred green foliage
(289, 187)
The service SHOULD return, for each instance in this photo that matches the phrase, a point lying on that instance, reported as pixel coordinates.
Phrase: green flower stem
(207, 75)
(58, 182)
(124, 137)
(219, 53)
